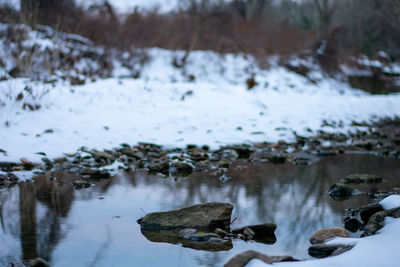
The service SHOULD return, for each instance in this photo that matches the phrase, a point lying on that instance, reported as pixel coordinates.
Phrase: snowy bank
(378, 250)
(205, 102)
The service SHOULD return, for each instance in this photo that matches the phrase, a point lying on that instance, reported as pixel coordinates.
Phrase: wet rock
(367, 211)
(200, 216)
(324, 250)
(220, 232)
(340, 191)
(38, 262)
(95, 173)
(229, 154)
(322, 235)
(361, 178)
(304, 158)
(159, 167)
(377, 221)
(352, 224)
(243, 258)
(181, 168)
(264, 155)
(243, 151)
(262, 233)
(187, 231)
(173, 237)
(79, 184)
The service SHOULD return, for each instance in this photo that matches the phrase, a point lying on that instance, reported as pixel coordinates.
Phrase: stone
(243, 258)
(220, 232)
(159, 167)
(258, 229)
(376, 222)
(304, 158)
(352, 224)
(262, 233)
(187, 231)
(201, 216)
(79, 184)
(38, 262)
(181, 168)
(362, 178)
(324, 250)
(324, 234)
(95, 174)
(340, 191)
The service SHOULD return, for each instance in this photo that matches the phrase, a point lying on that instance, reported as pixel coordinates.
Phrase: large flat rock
(200, 216)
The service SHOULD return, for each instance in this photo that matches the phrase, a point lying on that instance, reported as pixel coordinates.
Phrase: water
(97, 226)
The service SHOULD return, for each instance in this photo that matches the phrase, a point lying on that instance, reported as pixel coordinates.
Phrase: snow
(377, 250)
(390, 202)
(163, 106)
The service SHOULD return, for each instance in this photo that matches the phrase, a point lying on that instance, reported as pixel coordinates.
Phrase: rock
(181, 168)
(341, 191)
(322, 235)
(243, 151)
(262, 233)
(367, 211)
(352, 224)
(324, 250)
(159, 167)
(200, 216)
(173, 237)
(220, 232)
(258, 229)
(267, 155)
(304, 158)
(243, 258)
(79, 184)
(38, 262)
(376, 222)
(361, 178)
(95, 174)
(248, 233)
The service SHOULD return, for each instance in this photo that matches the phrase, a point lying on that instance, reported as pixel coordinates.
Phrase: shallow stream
(97, 226)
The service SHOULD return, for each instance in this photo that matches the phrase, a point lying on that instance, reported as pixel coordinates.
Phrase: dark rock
(243, 151)
(95, 174)
(367, 211)
(181, 168)
(201, 216)
(38, 262)
(304, 158)
(324, 250)
(262, 233)
(160, 167)
(376, 222)
(352, 224)
(361, 178)
(79, 184)
(341, 191)
(322, 235)
(243, 258)
(173, 237)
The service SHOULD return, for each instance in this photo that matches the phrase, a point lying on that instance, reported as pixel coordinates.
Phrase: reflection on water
(97, 226)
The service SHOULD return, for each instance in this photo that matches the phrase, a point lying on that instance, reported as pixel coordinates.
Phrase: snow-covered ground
(378, 250)
(164, 106)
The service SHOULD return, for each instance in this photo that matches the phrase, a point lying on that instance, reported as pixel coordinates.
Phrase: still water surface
(97, 226)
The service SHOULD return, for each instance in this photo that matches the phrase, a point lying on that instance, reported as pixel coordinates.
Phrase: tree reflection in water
(37, 216)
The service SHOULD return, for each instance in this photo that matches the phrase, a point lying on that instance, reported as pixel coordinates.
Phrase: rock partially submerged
(263, 233)
(362, 178)
(201, 216)
(243, 258)
(324, 234)
(326, 250)
(340, 191)
(376, 222)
